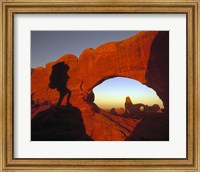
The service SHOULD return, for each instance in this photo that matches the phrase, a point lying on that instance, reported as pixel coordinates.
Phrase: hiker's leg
(60, 99)
(68, 96)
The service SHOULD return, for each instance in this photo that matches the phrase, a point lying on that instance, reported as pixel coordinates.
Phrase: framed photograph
(95, 85)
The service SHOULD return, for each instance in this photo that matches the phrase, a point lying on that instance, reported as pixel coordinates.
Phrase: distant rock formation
(143, 57)
(117, 111)
(154, 108)
(132, 109)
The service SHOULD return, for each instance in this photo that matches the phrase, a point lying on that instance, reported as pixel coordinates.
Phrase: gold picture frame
(10, 7)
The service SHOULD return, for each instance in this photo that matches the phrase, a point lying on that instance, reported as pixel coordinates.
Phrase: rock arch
(143, 57)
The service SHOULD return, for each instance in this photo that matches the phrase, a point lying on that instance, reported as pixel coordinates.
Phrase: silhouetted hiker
(58, 80)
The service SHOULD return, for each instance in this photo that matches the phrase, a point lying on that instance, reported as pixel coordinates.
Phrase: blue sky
(48, 46)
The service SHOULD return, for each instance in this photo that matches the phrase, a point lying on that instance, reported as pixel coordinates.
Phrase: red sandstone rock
(127, 58)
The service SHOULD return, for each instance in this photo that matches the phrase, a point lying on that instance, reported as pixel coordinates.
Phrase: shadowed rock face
(59, 124)
(157, 74)
(143, 57)
(152, 127)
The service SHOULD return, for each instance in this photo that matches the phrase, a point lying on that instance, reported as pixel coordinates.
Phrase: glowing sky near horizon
(113, 92)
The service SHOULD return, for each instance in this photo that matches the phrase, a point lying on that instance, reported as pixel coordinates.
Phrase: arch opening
(120, 95)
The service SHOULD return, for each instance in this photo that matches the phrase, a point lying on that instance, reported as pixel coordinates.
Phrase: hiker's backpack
(58, 75)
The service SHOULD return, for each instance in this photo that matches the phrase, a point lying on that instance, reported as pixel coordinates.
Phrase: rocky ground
(62, 124)
(152, 127)
(66, 124)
